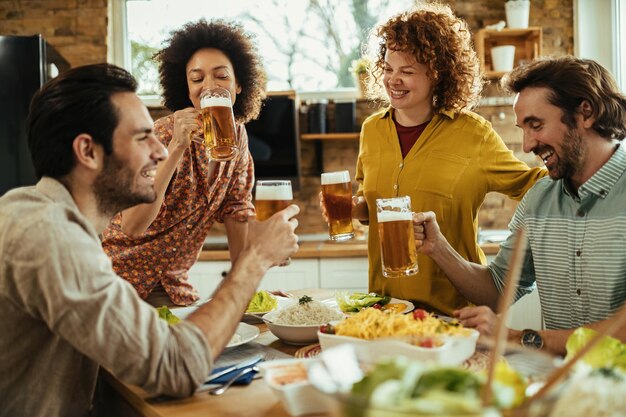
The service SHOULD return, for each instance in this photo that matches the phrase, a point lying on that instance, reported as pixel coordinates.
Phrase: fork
(222, 389)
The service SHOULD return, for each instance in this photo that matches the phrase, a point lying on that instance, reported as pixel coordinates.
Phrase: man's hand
(274, 239)
(427, 233)
(481, 318)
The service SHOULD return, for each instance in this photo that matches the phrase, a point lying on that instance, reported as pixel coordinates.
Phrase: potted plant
(360, 68)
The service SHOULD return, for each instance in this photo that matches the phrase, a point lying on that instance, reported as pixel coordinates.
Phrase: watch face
(532, 340)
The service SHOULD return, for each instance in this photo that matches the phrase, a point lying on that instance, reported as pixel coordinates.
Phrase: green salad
(409, 386)
(353, 303)
(262, 302)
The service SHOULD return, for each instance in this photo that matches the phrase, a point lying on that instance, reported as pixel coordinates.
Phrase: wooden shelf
(330, 136)
(527, 42)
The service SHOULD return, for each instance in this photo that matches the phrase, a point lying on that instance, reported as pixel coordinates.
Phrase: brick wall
(76, 28)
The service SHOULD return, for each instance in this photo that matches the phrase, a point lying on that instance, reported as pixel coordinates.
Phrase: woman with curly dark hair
(428, 145)
(153, 245)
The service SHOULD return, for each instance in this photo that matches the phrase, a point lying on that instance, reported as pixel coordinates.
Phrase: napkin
(242, 380)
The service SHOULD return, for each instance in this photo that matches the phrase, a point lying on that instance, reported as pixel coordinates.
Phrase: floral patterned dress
(200, 193)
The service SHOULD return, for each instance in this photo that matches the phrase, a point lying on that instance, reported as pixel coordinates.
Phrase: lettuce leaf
(608, 352)
(167, 315)
(262, 302)
(357, 301)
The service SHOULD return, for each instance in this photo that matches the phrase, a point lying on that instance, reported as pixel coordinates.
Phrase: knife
(249, 362)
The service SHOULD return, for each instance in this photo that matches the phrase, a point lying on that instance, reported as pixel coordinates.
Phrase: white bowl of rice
(297, 324)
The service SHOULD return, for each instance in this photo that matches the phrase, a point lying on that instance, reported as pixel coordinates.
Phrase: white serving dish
(298, 397)
(292, 334)
(454, 351)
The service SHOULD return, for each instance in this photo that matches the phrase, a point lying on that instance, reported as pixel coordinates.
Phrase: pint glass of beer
(271, 197)
(397, 241)
(337, 193)
(218, 120)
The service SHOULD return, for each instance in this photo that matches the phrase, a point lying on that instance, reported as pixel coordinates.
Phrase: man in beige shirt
(64, 311)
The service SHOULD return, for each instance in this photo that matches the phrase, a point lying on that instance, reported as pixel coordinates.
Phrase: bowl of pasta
(419, 335)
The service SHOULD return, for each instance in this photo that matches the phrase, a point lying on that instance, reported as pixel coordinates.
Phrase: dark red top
(408, 135)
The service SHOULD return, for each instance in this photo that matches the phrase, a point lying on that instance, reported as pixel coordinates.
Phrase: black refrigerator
(26, 63)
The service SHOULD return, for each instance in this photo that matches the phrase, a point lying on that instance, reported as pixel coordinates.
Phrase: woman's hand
(187, 127)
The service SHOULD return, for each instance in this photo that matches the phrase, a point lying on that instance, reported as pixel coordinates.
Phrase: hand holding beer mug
(270, 198)
(218, 120)
(337, 200)
(397, 240)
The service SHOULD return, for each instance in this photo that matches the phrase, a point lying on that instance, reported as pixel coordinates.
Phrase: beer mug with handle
(218, 120)
(337, 193)
(397, 241)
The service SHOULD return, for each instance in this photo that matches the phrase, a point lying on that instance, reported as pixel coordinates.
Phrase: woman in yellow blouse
(428, 145)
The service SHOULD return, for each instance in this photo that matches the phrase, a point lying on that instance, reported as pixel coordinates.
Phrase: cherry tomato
(420, 314)
(377, 306)
(327, 329)
(427, 342)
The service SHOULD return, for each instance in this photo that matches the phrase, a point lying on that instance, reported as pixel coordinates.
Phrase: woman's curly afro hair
(234, 42)
(442, 42)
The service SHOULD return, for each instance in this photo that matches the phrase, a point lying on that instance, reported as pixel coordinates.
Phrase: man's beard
(114, 188)
(571, 156)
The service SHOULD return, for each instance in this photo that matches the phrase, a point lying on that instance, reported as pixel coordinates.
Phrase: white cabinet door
(299, 274)
(206, 276)
(344, 274)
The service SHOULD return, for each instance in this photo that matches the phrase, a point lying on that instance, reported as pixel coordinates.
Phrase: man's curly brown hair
(441, 41)
(234, 42)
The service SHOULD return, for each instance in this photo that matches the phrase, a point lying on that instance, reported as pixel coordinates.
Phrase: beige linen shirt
(65, 312)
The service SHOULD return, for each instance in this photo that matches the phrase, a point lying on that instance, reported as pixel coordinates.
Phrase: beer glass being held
(218, 120)
(337, 198)
(271, 197)
(397, 240)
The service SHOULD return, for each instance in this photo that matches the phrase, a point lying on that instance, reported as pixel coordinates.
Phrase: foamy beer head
(271, 197)
(397, 241)
(337, 192)
(218, 120)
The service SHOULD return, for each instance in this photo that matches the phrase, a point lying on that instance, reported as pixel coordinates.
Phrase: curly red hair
(441, 41)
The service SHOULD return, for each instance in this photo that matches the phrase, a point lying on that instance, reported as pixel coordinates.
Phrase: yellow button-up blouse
(456, 161)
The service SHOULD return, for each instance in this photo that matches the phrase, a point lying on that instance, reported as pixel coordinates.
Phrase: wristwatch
(531, 339)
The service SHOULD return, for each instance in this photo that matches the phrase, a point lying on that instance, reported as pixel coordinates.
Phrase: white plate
(247, 332)
(408, 305)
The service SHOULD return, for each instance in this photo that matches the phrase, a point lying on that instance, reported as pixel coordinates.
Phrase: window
(307, 45)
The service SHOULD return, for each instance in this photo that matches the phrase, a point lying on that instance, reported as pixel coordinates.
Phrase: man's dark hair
(571, 81)
(77, 101)
(229, 38)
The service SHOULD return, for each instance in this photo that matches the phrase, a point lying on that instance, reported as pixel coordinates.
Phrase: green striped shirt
(576, 246)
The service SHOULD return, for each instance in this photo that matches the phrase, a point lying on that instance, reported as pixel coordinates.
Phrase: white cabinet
(301, 273)
(344, 274)
(206, 276)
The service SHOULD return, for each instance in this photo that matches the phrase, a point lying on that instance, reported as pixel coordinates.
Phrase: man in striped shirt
(573, 118)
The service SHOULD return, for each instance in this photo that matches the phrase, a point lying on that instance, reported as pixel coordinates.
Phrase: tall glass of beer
(271, 197)
(218, 120)
(397, 241)
(337, 193)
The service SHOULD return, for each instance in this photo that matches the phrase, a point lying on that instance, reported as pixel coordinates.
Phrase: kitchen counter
(312, 249)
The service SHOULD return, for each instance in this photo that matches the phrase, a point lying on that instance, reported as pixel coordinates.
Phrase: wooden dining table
(119, 399)
(253, 400)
